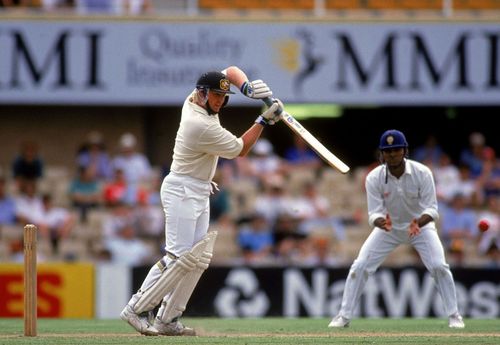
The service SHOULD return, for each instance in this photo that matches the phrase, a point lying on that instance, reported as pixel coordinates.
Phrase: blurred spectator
(255, 240)
(220, 202)
(289, 241)
(489, 180)
(27, 165)
(29, 205)
(97, 6)
(84, 192)
(7, 205)
(313, 211)
(275, 199)
(458, 224)
(319, 252)
(263, 162)
(57, 222)
(118, 215)
(300, 155)
(52, 5)
(16, 251)
(132, 7)
(473, 156)
(135, 165)
(467, 186)
(127, 250)
(93, 154)
(447, 177)
(429, 153)
(15, 3)
(489, 242)
(115, 191)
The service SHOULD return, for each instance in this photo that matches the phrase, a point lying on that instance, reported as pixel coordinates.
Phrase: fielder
(402, 207)
(185, 195)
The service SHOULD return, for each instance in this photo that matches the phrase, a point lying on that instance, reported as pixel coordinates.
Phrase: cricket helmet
(215, 81)
(392, 139)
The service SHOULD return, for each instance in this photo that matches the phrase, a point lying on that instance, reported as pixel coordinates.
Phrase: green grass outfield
(300, 331)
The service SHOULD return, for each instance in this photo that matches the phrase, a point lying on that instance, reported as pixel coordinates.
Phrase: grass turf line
(299, 331)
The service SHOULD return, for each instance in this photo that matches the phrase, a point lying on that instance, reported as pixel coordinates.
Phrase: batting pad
(171, 277)
(180, 296)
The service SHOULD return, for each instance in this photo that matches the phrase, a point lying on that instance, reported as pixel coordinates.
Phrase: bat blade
(311, 140)
(314, 143)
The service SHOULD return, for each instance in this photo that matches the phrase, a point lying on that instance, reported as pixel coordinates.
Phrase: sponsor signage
(65, 62)
(63, 290)
(296, 292)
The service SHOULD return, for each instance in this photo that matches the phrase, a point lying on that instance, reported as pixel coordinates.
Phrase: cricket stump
(30, 281)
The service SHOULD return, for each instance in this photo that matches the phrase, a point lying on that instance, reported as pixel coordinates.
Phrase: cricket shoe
(339, 322)
(174, 328)
(138, 321)
(456, 321)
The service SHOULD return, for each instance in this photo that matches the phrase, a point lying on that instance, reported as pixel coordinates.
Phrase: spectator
(27, 165)
(313, 211)
(473, 156)
(135, 165)
(429, 153)
(447, 177)
(29, 206)
(220, 202)
(57, 221)
(84, 192)
(264, 162)
(275, 199)
(7, 205)
(115, 191)
(300, 155)
(319, 252)
(489, 180)
(255, 240)
(128, 250)
(489, 242)
(289, 241)
(15, 3)
(93, 154)
(458, 225)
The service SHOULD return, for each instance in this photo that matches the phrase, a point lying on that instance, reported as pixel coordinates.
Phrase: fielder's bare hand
(256, 89)
(414, 229)
(384, 223)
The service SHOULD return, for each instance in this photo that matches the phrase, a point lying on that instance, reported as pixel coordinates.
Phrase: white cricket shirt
(200, 141)
(405, 199)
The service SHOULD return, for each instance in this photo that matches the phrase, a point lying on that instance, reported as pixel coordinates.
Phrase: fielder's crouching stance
(185, 193)
(402, 207)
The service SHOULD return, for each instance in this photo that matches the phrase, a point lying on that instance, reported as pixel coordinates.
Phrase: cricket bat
(310, 139)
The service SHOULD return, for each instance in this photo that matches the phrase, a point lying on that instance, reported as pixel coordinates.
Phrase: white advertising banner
(157, 63)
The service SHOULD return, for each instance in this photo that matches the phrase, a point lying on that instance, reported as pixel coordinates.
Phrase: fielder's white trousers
(376, 248)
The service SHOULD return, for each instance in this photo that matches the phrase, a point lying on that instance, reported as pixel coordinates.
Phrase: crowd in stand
(112, 7)
(275, 207)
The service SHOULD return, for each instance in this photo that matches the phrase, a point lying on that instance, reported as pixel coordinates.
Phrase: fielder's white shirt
(200, 141)
(405, 199)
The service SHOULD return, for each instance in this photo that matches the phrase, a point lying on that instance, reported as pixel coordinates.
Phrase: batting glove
(272, 114)
(257, 89)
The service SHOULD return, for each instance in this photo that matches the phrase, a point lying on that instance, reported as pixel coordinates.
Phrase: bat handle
(269, 101)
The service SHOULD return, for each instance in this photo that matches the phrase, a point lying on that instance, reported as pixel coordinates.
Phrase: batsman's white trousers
(185, 202)
(376, 248)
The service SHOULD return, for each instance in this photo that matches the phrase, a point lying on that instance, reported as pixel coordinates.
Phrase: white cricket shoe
(138, 322)
(456, 321)
(339, 322)
(174, 328)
